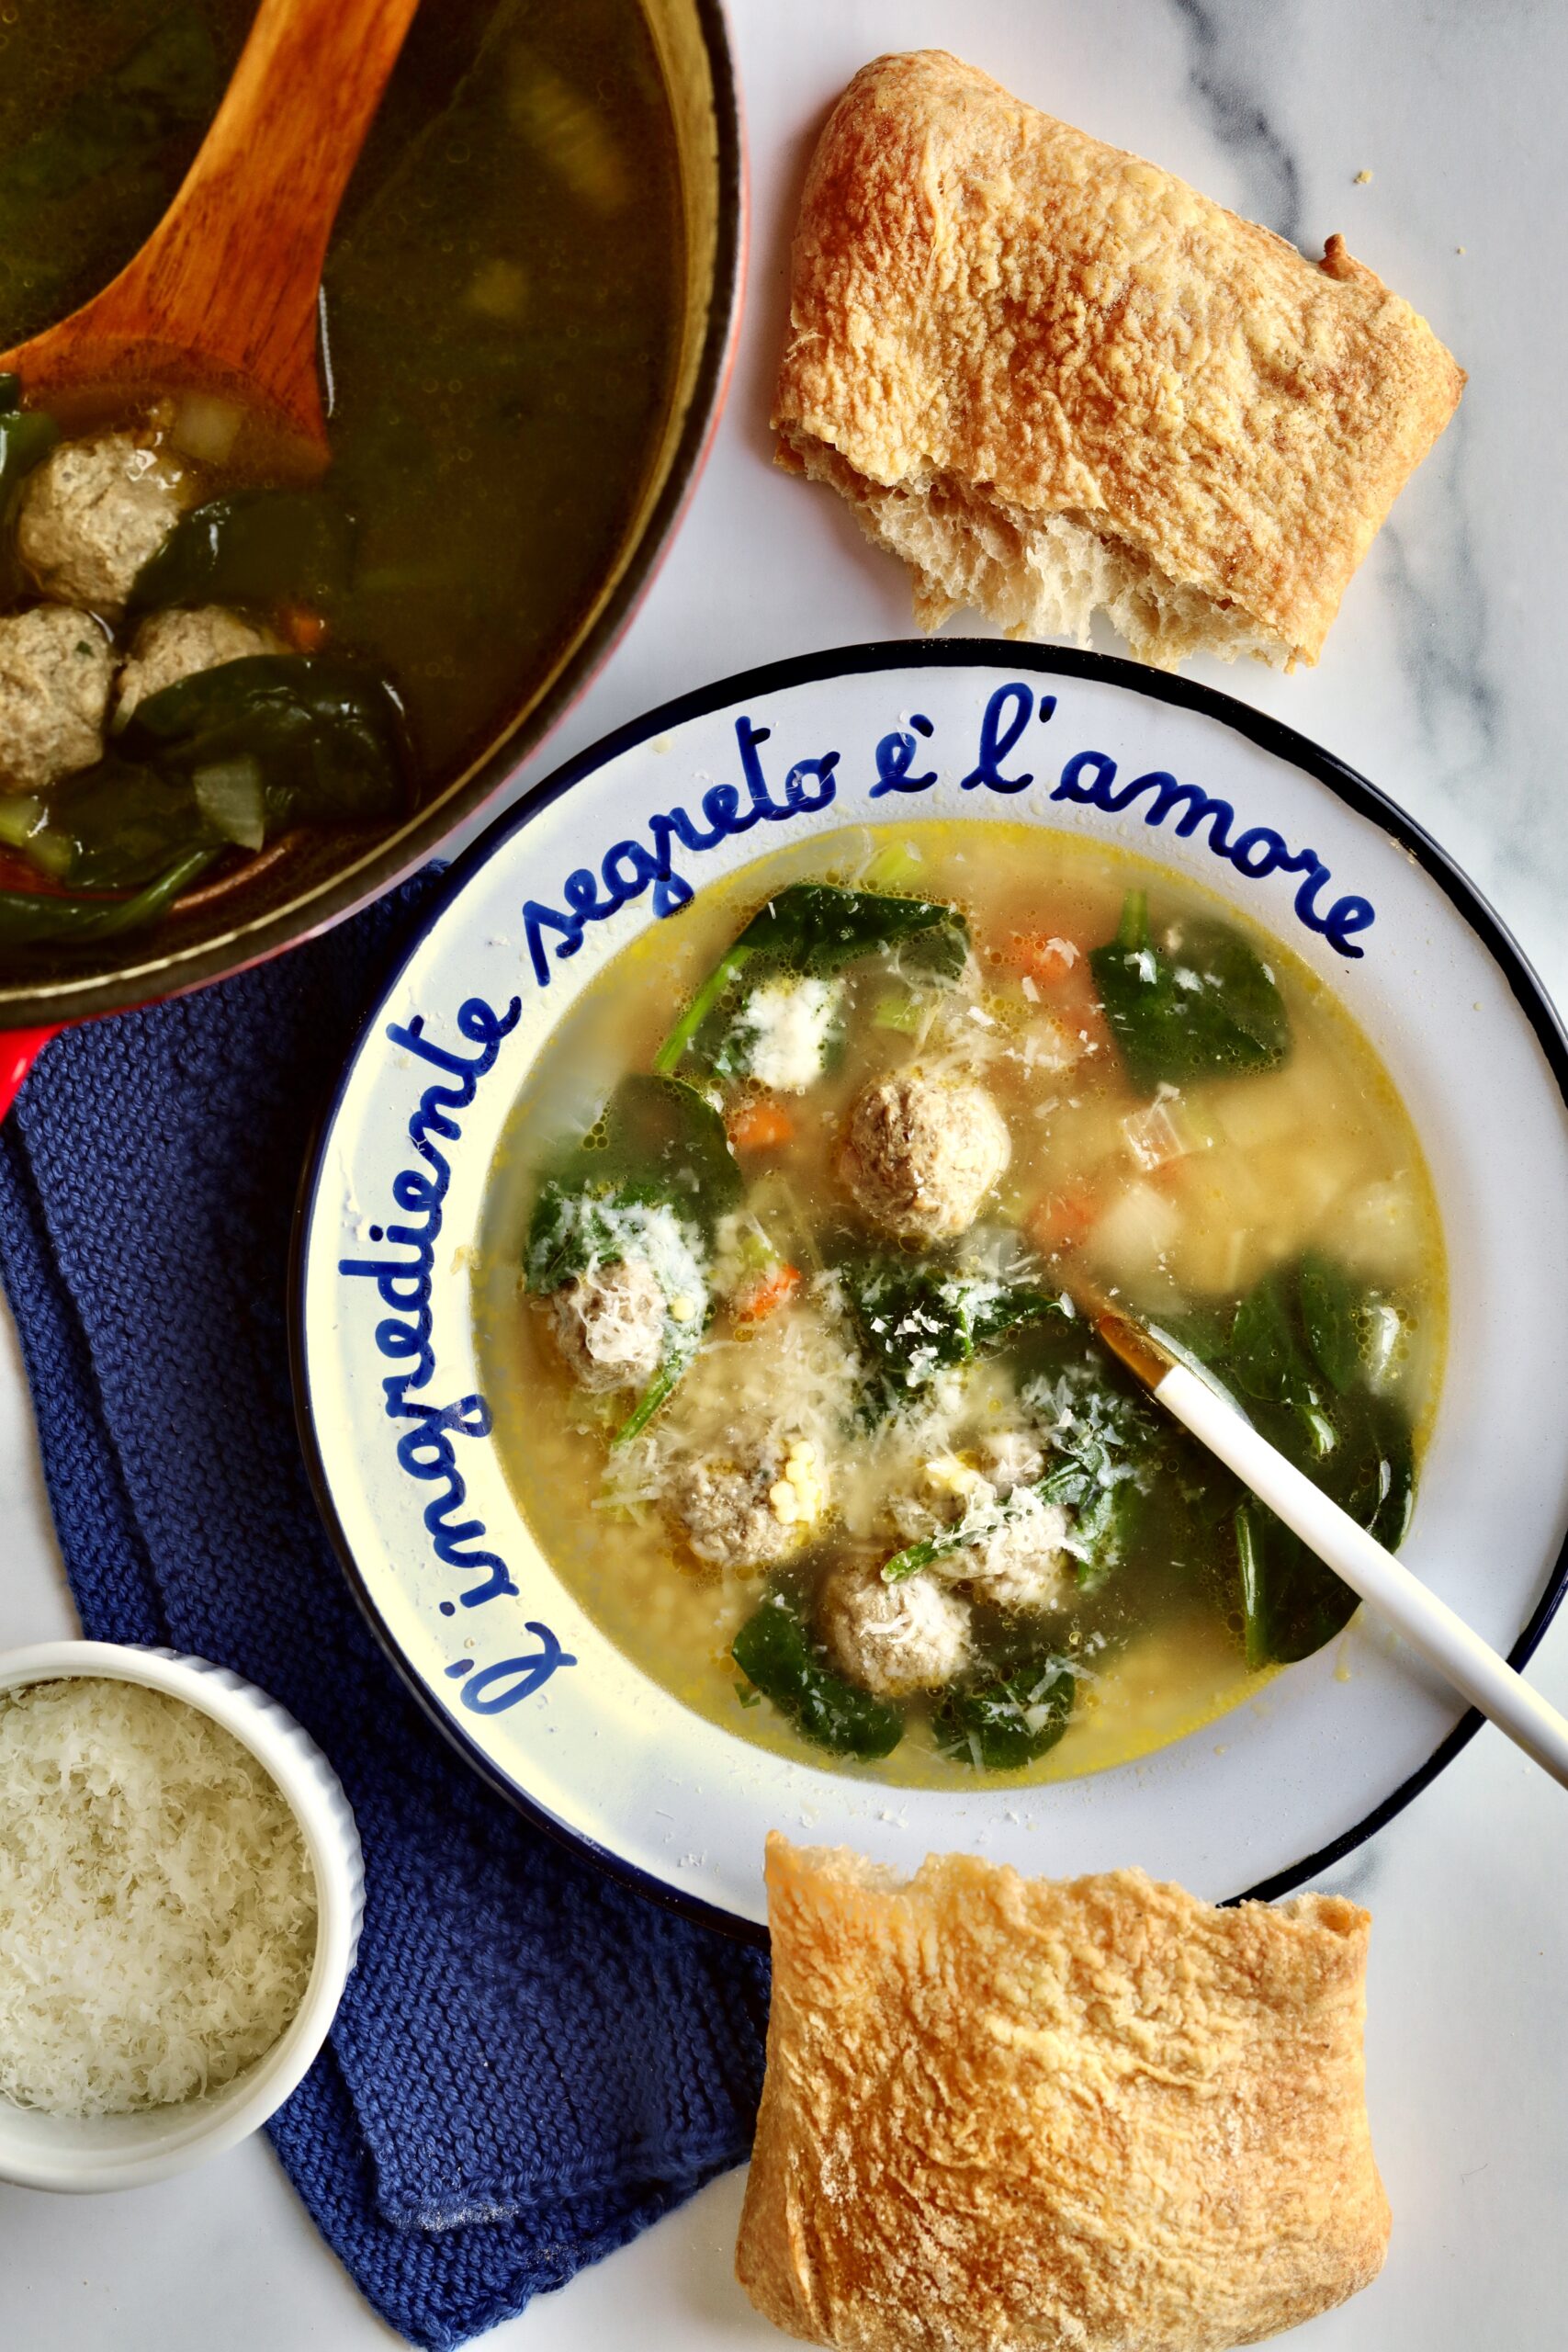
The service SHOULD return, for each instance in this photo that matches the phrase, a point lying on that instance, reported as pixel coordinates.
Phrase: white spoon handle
(1427, 1624)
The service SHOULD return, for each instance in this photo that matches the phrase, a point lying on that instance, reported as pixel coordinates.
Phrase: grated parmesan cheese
(157, 1904)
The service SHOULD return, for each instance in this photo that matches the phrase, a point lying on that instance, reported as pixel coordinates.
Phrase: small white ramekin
(43, 2151)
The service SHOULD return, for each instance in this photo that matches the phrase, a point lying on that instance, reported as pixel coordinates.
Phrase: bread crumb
(1363, 179)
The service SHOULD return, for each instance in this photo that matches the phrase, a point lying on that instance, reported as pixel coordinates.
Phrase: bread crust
(986, 304)
(1010, 2115)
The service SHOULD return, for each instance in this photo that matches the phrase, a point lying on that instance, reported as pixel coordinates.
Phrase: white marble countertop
(1442, 682)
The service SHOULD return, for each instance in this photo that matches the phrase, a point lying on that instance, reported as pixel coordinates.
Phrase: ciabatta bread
(1011, 2115)
(1056, 379)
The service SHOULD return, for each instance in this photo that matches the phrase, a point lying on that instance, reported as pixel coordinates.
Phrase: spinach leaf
(114, 827)
(1105, 1447)
(914, 1321)
(659, 1146)
(657, 1142)
(775, 1654)
(45, 918)
(252, 546)
(234, 755)
(1266, 1358)
(327, 735)
(27, 436)
(1008, 1723)
(815, 930)
(1297, 1358)
(1205, 1005)
(1352, 1327)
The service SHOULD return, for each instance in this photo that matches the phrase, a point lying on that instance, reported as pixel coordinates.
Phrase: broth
(502, 309)
(1223, 1208)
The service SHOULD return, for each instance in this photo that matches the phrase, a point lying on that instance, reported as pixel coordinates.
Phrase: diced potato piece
(1136, 1233)
(1253, 1112)
(1163, 1131)
(1379, 1231)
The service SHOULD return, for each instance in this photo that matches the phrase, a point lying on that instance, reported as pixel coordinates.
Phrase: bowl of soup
(233, 703)
(687, 1339)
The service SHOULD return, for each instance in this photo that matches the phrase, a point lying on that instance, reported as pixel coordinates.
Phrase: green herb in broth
(238, 754)
(1091, 1584)
(1001, 1726)
(30, 918)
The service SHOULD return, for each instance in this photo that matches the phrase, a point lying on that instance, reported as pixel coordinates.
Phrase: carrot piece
(305, 629)
(1059, 1221)
(760, 1126)
(1043, 956)
(770, 1291)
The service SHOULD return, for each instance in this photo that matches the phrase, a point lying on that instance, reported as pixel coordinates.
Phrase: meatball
(1010, 1458)
(55, 670)
(94, 512)
(921, 1154)
(1023, 1562)
(609, 1325)
(751, 1514)
(894, 1638)
(171, 646)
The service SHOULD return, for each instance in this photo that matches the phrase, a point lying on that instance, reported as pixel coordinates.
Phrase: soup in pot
(200, 656)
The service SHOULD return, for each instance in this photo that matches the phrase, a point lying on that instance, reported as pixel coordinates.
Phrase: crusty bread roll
(1010, 2115)
(1053, 378)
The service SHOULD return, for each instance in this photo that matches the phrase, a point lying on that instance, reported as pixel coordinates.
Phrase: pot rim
(51, 1004)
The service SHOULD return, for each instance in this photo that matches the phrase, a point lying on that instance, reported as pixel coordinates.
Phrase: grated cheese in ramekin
(157, 1902)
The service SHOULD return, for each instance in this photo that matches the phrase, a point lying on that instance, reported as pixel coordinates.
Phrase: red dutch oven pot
(304, 884)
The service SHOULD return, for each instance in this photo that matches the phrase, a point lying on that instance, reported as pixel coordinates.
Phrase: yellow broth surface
(1236, 1176)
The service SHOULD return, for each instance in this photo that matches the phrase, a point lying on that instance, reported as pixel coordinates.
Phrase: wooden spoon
(223, 297)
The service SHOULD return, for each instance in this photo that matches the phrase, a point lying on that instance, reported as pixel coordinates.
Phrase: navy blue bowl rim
(942, 653)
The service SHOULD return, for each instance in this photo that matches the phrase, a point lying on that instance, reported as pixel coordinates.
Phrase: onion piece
(230, 794)
(205, 427)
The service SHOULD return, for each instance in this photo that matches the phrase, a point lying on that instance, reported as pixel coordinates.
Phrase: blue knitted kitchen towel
(530, 2063)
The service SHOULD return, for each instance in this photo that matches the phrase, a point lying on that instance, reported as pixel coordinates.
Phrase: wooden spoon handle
(225, 290)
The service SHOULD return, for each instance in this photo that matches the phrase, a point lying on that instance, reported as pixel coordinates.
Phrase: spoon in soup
(1428, 1624)
(223, 298)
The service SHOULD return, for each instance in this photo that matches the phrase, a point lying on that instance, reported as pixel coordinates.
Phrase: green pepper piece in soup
(774, 1653)
(1203, 1004)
